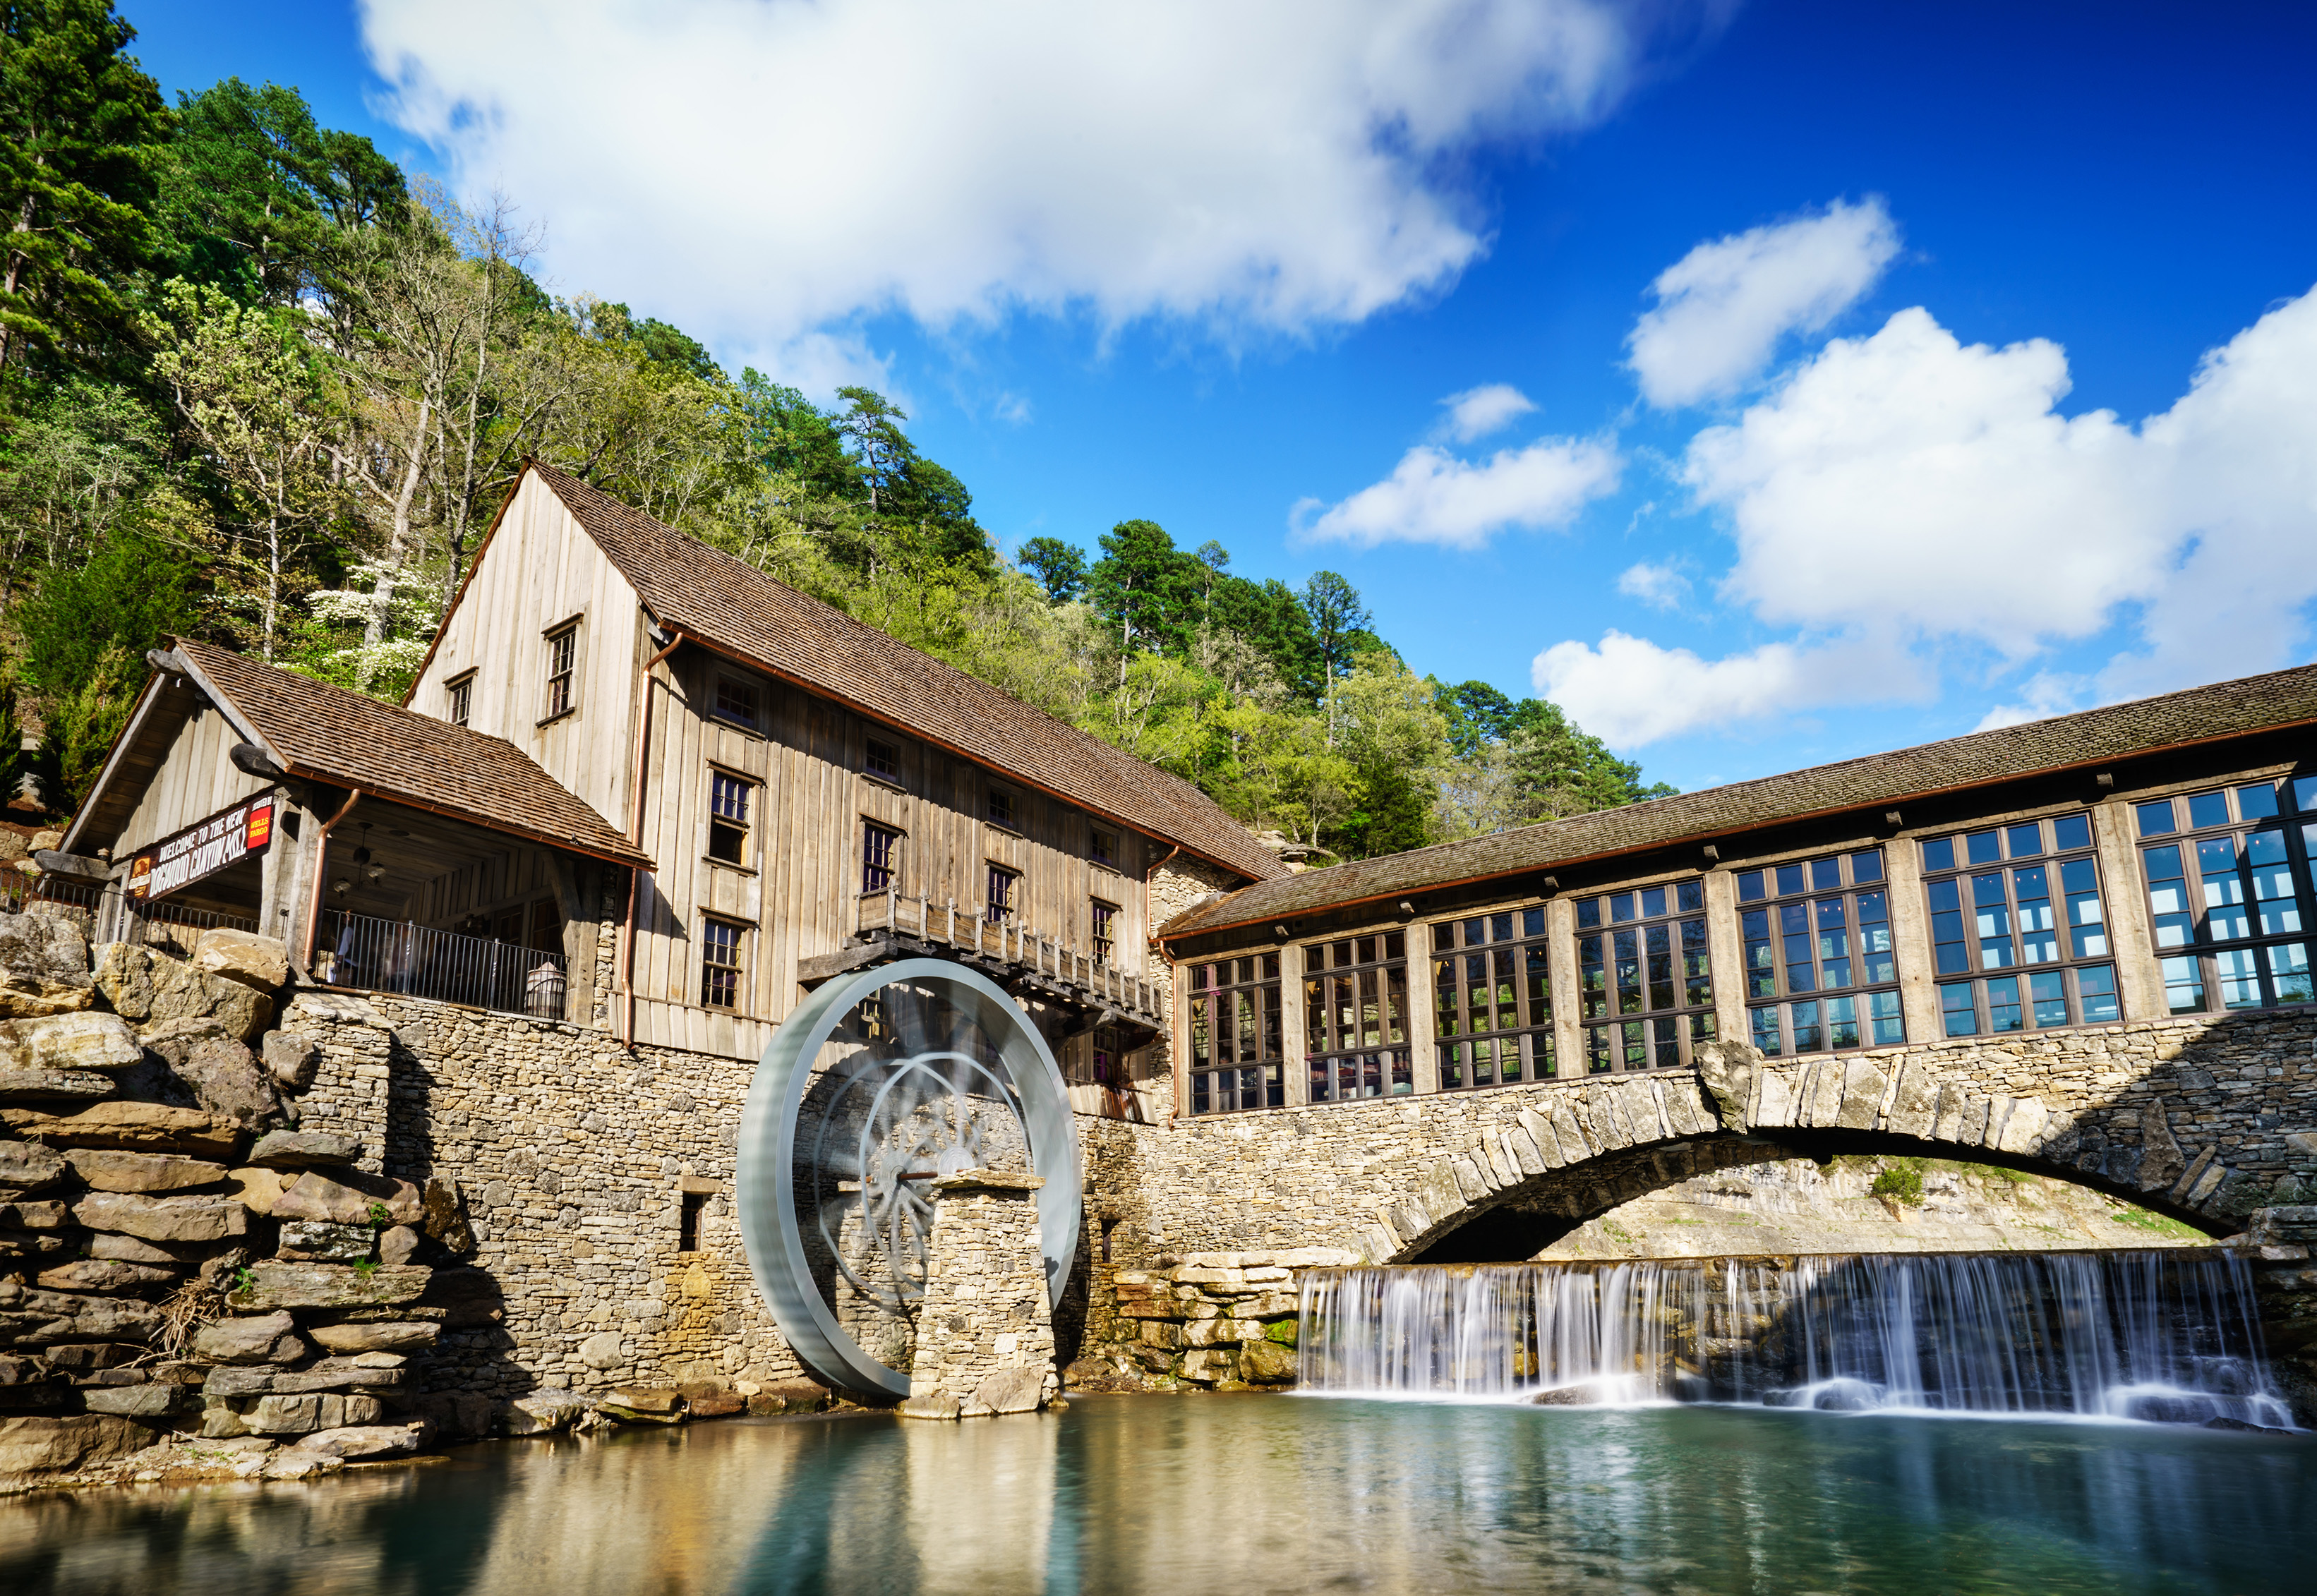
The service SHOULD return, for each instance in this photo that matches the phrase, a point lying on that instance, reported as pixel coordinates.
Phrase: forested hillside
(260, 386)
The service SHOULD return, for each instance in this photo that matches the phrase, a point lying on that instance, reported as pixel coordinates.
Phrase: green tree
(1478, 714)
(1142, 586)
(1060, 567)
(78, 122)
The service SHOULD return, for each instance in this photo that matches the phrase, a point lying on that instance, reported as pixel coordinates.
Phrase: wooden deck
(895, 925)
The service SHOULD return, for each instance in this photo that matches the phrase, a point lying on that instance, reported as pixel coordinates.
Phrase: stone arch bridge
(2205, 1120)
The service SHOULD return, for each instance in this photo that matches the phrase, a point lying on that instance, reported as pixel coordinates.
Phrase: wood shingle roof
(2277, 700)
(733, 607)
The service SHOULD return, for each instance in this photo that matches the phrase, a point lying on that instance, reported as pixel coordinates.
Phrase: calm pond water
(1239, 1494)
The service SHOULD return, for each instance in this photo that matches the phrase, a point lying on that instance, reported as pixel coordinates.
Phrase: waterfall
(2166, 1335)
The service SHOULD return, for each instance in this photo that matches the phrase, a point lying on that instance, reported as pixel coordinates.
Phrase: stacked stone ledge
(1216, 1320)
(985, 1336)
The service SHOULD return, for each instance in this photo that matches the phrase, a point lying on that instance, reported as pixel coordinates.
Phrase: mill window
(2017, 910)
(1103, 916)
(736, 702)
(728, 818)
(562, 670)
(1005, 889)
(721, 945)
(879, 855)
(1103, 848)
(460, 696)
(881, 759)
(1493, 1000)
(1645, 985)
(1237, 1061)
(1817, 937)
(1001, 807)
(2229, 894)
(1355, 1018)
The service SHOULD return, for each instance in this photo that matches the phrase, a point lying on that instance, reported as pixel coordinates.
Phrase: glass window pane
(1654, 902)
(1588, 910)
(1395, 945)
(2047, 992)
(1620, 907)
(1635, 1037)
(1808, 1036)
(1695, 972)
(1629, 972)
(1660, 939)
(2039, 940)
(2096, 986)
(2207, 809)
(1790, 880)
(1991, 921)
(1447, 1014)
(1689, 896)
(1866, 867)
(1938, 856)
(1540, 987)
(1887, 1025)
(1476, 931)
(1500, 927)
(1593, 978)
(2072, 831)
(2239, 978)
(2304, 795)
(2024, 842)
(2256, 802)
(1766, 1029)
(2003, 1003)
(1532, 923)
(1825, 874)
(2288, 972)
(1749, 887)
(1983, 847)
(2156, 819)
(2183, 985)
(1597, 1049)
(1841, 1022)
(1444, 936)
(1957, 1009)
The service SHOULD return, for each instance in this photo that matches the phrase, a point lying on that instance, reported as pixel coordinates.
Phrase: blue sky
(1851, 487)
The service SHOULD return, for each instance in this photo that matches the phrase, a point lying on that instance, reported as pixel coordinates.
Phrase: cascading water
(2160, 1335)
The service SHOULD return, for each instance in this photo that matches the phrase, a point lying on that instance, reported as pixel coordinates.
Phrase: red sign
(203, 850)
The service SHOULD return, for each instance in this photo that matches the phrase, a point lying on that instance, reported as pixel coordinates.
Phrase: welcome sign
(202, 849)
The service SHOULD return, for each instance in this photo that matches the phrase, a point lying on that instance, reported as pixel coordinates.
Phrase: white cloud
(1663, 586)
(1722, 308)
(1914, 495)
(1434, 497)
(771, 166)
(1630, 692)
(1478, 412)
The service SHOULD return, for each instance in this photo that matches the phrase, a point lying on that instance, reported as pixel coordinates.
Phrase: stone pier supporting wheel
(881, 1082)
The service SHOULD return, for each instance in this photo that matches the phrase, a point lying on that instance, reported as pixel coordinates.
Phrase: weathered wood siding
(540, 570)
(196, 779)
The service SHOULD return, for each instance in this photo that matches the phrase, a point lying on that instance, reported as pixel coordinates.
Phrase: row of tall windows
(2020, 940)
(1236, 1059)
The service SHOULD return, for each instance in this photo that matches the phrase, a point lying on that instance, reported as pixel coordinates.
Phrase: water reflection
(1269, 1493)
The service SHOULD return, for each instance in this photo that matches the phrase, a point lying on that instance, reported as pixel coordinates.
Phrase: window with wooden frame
(1492, 1009)
(723, 949)
(459, 698)
(2229, 894)
(2017, 910)
(881, 760)
(1817, 935)
(736, 702)
(1005, 895)
(1237, 1058)
(562, 670)
(1645, 984)
(1103, 916)
(1355, 1018)
(880, 856)
(1001, 809)
(730, 800)
(1102, 847)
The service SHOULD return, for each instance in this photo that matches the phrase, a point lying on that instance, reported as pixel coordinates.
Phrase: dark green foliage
(1557, 769)
(1901, 1179)
(1478, 714)
(1060, 568)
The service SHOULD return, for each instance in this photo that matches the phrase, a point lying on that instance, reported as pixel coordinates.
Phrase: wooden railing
(1089, 975)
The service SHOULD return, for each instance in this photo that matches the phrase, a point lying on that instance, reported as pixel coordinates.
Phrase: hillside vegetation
(260, 386)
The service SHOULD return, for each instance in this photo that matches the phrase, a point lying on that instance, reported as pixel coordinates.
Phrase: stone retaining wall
(985, 1340)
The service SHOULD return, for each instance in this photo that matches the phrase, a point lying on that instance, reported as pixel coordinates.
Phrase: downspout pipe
(321, 871)
(636, 837)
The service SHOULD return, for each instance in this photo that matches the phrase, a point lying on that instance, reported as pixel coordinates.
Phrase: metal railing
(113, 916)
(898, 913)
(367, 954)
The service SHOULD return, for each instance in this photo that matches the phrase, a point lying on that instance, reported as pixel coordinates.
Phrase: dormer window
(736, 702)
(459, 698)
(562, 670)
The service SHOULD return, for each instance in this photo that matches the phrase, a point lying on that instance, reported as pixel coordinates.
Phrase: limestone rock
(387, 1336)
(1267, 1363)
(43, 962)
(285, 1415)
(343, 1374)
(81, 1041)
(445, 1218)
(137, 1126)
(141, 1402)
(264, 1338)
(719, 1404)
(319, 1241)
(108, 1170)
(163, 1218)
(277, 1284)
(225, 1076)
(34, 1317)
(1726, 1070)
(103, 1275)
(788, 1396)
(546, 1412)
(400, 1244)
(257, 1190)
(131, 1249)
(295, 1463)
(32, 1449)
(289, 1057)
(368, 1440)
(49, 1085)
(1012, 1391)
(935, 1404)
(305, 1149)
(28, 1166)
(124, 974)
(262, 962)
(24, 999)
(657, 1400)
(350, 1197)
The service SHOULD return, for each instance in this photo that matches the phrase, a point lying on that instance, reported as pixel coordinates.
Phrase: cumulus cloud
(1722, 308)
(771, 166)
(1661, 586)
(1906, 494)
(1478, 412)
(1434, 497)
(1630, 692)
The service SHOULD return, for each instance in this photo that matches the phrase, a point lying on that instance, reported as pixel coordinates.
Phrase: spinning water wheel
(881, 1082)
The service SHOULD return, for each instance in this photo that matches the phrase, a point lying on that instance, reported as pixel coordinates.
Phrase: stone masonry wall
(984, 1334)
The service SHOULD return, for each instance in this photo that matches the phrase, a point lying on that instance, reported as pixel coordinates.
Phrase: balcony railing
(113, 916)
(401, 956)
(1075, 973)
